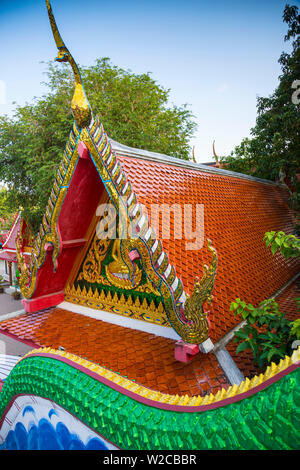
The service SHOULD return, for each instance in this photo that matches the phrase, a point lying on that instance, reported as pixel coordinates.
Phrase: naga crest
(194, 307)
(190, 320)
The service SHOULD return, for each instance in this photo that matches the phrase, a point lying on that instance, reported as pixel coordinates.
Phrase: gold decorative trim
(48, 233)
(114, 303)
(181, 400)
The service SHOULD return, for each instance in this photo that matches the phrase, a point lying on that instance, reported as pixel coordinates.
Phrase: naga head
(203, 287)
(63, 55)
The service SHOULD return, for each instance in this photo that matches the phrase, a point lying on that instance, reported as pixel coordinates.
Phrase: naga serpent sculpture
(189, 321)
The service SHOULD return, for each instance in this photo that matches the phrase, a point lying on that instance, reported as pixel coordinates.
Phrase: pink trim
(133, 255)
(166, 406)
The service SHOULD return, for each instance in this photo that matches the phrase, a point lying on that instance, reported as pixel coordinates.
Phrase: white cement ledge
(7, 316)
(120, 320)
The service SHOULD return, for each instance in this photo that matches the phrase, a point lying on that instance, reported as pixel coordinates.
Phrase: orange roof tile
(286, 300)
(237, 213)
(140, 356)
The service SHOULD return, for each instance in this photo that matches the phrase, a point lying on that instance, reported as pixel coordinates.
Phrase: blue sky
(216, 56)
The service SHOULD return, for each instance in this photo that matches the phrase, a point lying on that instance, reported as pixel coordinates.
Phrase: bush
(267, 333)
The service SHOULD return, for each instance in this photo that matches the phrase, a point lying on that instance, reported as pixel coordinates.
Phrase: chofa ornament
(81, 109)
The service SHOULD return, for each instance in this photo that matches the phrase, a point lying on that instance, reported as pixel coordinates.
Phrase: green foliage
(134, 110)
(6, 214)
(267, 333)
(295, 330)
(288, 245)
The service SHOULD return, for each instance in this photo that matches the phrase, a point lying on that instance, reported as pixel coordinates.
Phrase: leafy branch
(288, 245)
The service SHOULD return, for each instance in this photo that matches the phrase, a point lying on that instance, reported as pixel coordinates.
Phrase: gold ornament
(118, 304)
(81, 109)
(118, 273)
(192, 324)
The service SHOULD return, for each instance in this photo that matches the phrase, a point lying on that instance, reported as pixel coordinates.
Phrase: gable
(102, 282)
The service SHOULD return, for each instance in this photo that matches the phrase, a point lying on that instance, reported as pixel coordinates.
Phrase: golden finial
(215, 155)
(193, 153)
(81, 109)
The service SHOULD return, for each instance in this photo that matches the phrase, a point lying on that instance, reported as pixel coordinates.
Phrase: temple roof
(238, 210)
(8, 256)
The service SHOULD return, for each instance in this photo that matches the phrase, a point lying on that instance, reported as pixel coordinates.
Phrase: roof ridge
(125, 150)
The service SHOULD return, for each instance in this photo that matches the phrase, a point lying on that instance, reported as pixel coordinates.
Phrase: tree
(6, 216)
(274, 146)
(133, 108)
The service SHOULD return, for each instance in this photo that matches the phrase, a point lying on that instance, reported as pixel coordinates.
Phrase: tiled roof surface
(237, 213)
(286, 300)
(143, 357)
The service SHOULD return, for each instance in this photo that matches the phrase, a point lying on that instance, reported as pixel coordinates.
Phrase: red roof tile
(140, 356)
(237, 213)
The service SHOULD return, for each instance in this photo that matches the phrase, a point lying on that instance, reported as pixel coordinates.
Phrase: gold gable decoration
(118, 304)
(102, 282)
